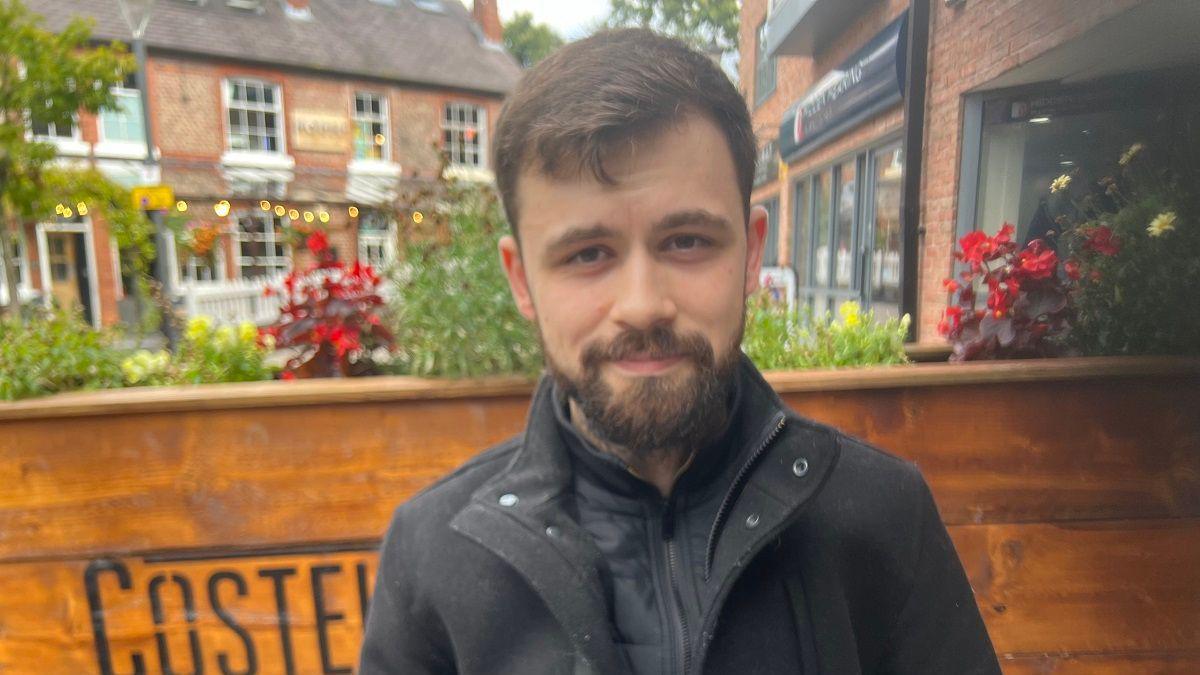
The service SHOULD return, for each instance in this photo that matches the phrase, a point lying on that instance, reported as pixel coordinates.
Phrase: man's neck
(661, 467)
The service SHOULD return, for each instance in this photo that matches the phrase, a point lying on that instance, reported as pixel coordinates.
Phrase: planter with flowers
(329, 318)
(1118, 277)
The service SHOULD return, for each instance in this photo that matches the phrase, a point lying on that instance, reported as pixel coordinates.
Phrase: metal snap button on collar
(800, 467)
(508, 499)
(753, 520)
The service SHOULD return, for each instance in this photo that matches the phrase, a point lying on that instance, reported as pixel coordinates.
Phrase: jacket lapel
(519, 516)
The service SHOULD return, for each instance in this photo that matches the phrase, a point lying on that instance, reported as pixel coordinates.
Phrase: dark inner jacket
(786, 547)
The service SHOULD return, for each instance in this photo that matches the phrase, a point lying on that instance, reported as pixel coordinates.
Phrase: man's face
(638, 289)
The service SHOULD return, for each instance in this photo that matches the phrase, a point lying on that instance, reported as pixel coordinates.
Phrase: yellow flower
(198, 328)
(1132, 152)
(849, 311)
(247, 332)
(1163, 222)
(225, 336)
(1061, 183)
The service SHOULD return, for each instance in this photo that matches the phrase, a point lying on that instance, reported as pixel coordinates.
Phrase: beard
(656, 413)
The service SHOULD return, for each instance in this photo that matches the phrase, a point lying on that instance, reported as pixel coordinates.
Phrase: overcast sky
(568, 17)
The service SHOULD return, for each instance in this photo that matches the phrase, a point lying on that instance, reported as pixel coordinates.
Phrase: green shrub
(53, 351)
(206, 354)
(781, 339)
(453, 314)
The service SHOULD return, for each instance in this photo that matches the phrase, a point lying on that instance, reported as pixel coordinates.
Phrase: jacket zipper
(682, 637)
(727, 502)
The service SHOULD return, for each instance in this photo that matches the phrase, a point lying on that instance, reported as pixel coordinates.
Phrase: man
(664, 511)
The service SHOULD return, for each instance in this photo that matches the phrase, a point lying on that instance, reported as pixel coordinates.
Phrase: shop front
(845, 221)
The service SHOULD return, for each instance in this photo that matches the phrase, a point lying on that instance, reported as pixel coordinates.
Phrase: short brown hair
(573, 107)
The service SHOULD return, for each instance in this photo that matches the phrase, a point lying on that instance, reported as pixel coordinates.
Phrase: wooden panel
(1125, 596)
(78, 486)
(282, 613)
(1050, 451)
(1105, 664)
(1106, 587)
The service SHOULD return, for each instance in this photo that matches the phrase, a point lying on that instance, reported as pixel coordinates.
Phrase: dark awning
(868, 82)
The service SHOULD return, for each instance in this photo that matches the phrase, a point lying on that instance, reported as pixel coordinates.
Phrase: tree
(44, 78)
(528, 41)
(708, 25)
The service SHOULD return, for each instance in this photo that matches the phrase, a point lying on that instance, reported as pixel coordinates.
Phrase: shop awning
(870, 81)
(804, 27)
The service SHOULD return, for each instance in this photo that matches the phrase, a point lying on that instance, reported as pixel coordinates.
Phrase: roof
(394, 40)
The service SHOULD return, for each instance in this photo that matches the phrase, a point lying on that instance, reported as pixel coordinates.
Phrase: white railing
(232, 301)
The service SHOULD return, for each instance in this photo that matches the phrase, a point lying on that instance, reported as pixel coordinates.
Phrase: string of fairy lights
(223, 208)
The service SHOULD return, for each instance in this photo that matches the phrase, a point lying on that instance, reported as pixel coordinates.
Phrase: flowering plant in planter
(1027, 301)
(330, 316)
(1132, 246)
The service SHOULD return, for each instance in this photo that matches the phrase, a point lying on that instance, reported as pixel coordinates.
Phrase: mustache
(657, 342)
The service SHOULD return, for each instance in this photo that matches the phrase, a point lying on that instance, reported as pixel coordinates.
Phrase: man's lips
(643, 363)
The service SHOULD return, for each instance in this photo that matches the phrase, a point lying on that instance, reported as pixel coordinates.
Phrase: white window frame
(271, 262)
(24, 281)
(384, 239)
(453, 125)
(73, 145)
(276, 108)
(370, 118)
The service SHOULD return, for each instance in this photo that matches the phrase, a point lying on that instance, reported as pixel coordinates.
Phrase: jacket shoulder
(451, 492)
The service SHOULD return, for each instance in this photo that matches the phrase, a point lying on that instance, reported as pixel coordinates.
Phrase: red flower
(1036, 261)
(950, 285)
(1004, 236)
(975, 246)
(317, 242)
(1101, 240)
(1071, 267)
(287, 375)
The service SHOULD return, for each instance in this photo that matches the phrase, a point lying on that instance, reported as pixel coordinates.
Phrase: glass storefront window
(846, 235)
(888, 168)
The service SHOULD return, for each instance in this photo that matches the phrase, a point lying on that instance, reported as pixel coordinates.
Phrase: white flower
(1162, 223)
(1061, 183)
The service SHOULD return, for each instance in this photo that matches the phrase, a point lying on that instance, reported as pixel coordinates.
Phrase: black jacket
(827, 556)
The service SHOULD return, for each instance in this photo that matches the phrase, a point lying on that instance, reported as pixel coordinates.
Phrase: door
(882, 240)
(67, 260)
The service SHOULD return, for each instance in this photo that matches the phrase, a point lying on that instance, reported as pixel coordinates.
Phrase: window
(847, 240)
(376, 239)
(124, 123)
(255, 116)
(463, 128)
(262, 250)
(370, 126)
(764, 66)
(50, 130)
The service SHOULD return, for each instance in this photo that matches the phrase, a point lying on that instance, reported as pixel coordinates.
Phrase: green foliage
(1134, 242)
(45, 77)
(52, 352)
(528, 41)
(709, 25)
(206, 354)
(777, 338)
(112, 203)
(453, 314)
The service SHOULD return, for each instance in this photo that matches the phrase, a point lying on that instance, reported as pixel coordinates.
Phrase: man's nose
(643, 299)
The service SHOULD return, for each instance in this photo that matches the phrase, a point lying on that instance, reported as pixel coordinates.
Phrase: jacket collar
(782, 460)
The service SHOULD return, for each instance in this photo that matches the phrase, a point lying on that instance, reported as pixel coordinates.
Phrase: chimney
(488, 17)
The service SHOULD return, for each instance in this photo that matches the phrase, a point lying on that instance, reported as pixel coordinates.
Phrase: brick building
(890, 128)
(315, 111)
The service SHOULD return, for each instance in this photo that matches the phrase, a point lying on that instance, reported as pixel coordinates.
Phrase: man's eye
(687, 242)
(587, 256)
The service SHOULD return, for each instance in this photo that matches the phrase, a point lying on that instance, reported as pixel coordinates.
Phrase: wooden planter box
(147, 527)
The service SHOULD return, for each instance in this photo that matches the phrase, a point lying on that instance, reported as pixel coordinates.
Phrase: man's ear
(518, 283)
(756, 239)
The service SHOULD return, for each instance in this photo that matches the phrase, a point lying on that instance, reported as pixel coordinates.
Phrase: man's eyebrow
(577, 234)
(698, 217)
